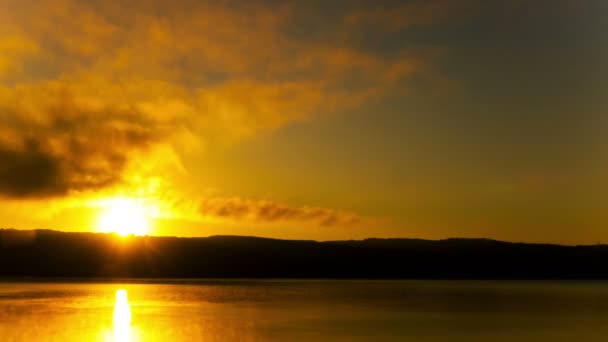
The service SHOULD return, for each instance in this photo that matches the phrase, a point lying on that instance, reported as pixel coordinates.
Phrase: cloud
(53, 142)
(27, 171)
(416, 13)
(264, 211)
(12, 51)
(88, 86)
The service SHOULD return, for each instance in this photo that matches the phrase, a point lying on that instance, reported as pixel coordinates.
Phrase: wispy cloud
(265, 211)
(415, 13)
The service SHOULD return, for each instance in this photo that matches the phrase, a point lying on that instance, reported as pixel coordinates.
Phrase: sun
(124, 216)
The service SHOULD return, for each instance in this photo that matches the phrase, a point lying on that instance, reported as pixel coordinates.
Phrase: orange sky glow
(305, 119)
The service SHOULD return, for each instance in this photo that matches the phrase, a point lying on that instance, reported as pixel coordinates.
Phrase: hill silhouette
(46, 253)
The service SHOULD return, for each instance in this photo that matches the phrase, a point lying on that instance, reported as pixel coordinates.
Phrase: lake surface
(304, 310)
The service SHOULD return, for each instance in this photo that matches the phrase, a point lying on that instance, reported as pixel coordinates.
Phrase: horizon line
(306, 240)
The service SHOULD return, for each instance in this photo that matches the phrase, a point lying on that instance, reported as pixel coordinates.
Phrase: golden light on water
(122, 310)
(125, 216)
(122, 317)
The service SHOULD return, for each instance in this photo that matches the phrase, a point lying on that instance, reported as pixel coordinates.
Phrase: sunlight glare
(124, 216)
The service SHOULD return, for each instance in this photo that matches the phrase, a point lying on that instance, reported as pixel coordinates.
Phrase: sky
(307, 119)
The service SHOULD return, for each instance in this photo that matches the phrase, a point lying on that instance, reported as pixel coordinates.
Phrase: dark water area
(303, 310)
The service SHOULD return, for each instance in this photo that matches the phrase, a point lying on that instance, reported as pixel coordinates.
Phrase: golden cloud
(91, 85)
(265, 211)
(53, 141)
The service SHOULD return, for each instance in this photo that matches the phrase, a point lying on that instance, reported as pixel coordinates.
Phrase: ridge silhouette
(46, 253)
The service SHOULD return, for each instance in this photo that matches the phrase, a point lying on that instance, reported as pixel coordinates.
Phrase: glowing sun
(124, 216)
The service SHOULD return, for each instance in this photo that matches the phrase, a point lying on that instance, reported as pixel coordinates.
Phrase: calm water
(304, 310)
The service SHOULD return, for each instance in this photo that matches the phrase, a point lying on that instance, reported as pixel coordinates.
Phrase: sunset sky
(307, 119)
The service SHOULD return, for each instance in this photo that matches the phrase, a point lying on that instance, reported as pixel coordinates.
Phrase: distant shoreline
(53, 255)
(262, 281)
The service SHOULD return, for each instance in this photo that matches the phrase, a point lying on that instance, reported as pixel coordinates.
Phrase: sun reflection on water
(122, 331)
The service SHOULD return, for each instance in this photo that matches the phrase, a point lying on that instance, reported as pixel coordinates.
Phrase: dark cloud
(263, 211)
(28, 171)
(55, 146)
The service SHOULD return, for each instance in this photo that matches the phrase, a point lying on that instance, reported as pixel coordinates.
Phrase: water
(304, 310)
